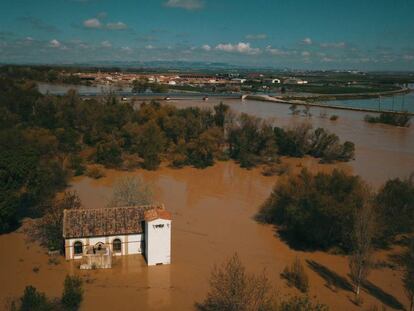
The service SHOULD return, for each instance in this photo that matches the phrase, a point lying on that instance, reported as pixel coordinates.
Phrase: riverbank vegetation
(391, 118)
(46, 139)
(329, 211)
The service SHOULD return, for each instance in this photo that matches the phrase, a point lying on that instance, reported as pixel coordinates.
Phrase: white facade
(158, 241)
(130, 244)
(118, 231)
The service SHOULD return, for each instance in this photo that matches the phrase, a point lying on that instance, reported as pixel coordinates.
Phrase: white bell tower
(158, 237)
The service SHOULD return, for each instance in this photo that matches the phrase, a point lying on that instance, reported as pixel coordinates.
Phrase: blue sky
(301, 34)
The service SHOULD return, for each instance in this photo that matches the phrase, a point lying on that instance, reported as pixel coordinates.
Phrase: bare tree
(408, 277)
(231, 288)
(360, 258)
(130, 191)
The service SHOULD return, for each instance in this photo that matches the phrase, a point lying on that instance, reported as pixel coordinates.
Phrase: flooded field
(213, 212)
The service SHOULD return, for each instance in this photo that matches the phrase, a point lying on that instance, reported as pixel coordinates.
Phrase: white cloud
(307, 41)
(185, 4)
(259, 36)
(334, 45)
(277, 52)
(408, 57)
(241, 47)
(29, 39)
(106, 44)
(92, 23)
(327, 59)
(116, 26)
(305, 54)
(206, 47)
(126, 49)
(149, 47)
(95, 23)
(55, 44)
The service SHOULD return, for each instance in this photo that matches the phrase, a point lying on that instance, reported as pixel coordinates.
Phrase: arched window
(117, 245)
(78, 247)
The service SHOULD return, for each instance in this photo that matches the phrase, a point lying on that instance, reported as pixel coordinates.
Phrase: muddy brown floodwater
(213, 212)
(381, 151)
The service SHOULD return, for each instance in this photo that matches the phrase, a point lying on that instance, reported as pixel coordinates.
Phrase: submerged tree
(32, 300)
(130, 191)
(362, 235)
(395, 205)
(231, 288)
(72, 293)
(315, 211)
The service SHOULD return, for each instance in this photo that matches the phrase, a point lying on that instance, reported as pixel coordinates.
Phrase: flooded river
(382, 151)
(213, 212)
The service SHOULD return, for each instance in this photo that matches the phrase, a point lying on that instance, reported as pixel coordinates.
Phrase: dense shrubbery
(398, 119)
(316, 211)
(43, 139)
(301, 140)
(395, 208)
(321, 211)
(33, 300)
(72, 293)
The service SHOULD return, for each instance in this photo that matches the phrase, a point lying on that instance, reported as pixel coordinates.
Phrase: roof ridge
(160, 205)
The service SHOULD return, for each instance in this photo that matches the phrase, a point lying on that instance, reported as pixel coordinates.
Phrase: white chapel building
(96, 235)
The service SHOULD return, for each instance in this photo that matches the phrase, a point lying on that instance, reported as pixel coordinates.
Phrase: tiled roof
(156, 213)
(80, 223)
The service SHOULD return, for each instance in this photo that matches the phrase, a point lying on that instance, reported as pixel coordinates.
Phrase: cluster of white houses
(95, 235)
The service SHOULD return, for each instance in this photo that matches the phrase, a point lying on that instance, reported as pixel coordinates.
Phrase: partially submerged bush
(296, 276)
(315, 211)
(95, 171)
(392, 118)
(33, 300)
(72, 293)
(300, 304)
(231, 288)
(130, 191)
(334, 117)
(273, 169)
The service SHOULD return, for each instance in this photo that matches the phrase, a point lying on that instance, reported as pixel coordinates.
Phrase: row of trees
(45, 138)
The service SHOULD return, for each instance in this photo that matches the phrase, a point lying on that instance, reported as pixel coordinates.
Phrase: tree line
(45, 139)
